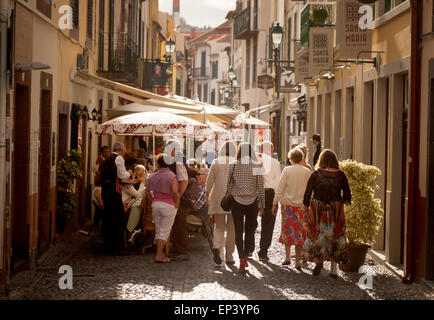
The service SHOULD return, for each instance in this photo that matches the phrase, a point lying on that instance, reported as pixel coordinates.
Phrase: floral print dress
(325, 219)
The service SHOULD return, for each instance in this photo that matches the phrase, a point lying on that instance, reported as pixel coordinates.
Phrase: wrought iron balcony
(122, 66)
(203, 73)
(242, 25)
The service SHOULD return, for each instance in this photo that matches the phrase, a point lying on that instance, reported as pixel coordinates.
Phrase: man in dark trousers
(271, 173)
(316, 138)
(178, 165)
(112, 172)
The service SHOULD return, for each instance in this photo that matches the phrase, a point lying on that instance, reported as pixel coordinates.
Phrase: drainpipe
(413, 175)
(4, 17)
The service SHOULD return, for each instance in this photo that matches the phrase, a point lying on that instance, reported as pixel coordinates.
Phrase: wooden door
(20, 178)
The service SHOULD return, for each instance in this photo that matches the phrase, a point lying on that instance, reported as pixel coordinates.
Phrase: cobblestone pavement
(136, 276)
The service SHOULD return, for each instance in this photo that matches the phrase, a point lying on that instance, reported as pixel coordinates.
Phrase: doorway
(429, 262)
(44, 214)
(349, 124)
(318, 115)
(20, 174)
(337, 124)
(327, 112)
(405, 99)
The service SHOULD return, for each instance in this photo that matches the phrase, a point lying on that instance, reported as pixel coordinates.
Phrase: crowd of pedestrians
(311, 202)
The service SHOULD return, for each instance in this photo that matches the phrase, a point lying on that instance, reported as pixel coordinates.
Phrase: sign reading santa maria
(352, 38)
(320, 49)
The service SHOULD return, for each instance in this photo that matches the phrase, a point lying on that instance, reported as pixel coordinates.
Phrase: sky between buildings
(201, 12)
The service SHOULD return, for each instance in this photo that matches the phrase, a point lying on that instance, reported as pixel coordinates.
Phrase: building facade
(367, 112)
(210, 63)
(58, 61)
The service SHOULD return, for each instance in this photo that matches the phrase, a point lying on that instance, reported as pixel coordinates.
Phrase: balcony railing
(242, 25)
(201, 72)
(122, 66)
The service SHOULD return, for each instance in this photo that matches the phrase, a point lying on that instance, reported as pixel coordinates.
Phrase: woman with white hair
(216, 188)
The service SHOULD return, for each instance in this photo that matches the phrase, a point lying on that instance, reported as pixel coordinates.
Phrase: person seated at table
(200, 207)
(162, 188)
(135, 192)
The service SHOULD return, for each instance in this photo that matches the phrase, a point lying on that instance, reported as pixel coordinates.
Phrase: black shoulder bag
(228, 199)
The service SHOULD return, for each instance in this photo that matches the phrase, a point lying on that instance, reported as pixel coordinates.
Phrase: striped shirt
(201, 201)
(247, 182)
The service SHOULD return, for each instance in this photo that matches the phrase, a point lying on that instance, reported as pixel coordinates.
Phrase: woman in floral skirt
(289, 193)
(325, 219)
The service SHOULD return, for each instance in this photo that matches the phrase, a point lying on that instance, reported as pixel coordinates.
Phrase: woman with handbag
(326, 238)
(215, 188)
(246, 186)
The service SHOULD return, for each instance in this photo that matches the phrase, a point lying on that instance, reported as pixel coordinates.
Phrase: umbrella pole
(153, 142)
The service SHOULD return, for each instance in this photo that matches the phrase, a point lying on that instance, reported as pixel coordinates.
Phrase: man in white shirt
(209, 147)
(112, 172)
(271, 173)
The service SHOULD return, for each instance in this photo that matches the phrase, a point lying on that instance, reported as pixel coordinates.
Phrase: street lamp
(231, 73)
(170, 48)
(277, 34)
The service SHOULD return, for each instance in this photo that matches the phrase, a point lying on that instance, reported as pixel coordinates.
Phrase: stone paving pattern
(136, 277)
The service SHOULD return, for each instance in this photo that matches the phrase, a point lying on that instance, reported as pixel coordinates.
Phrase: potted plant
(68, 170)
(363, 217)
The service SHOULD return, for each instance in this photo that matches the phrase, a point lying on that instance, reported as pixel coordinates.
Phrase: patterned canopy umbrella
(150, 123)
(214, 129)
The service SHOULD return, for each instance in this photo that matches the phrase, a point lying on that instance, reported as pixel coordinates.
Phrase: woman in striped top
(246, 185)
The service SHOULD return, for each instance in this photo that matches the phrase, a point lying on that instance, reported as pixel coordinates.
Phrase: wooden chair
(148, 225)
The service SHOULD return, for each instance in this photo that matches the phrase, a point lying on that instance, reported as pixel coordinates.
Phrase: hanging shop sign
(265, 81)
(287, 80)
(320, 49)
(301, 63)
(351, 38)
(156, 73)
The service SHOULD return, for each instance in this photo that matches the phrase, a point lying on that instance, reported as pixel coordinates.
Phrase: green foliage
(319, 16)
(364, 216)
(68, 169)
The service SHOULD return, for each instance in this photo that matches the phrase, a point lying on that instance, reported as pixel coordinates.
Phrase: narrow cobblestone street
(137, 277)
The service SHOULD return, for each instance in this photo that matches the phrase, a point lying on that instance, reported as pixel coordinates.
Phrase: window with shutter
(75, 19)
(101, 35)
(45, 7)
(89, 18)
(432, 17)
(255, 62)
(248, 64)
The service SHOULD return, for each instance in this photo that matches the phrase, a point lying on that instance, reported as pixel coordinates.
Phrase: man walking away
(316, 138)
(112, 171)
(271, 171)
(178, 165)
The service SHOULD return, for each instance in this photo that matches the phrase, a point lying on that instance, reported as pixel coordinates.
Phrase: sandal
(286, 263)
(165, 260)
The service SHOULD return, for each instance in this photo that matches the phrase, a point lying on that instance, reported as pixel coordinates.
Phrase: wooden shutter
(89, 18)
(45, 7)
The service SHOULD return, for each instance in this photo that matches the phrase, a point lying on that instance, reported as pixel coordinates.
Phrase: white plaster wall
(45, 50)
